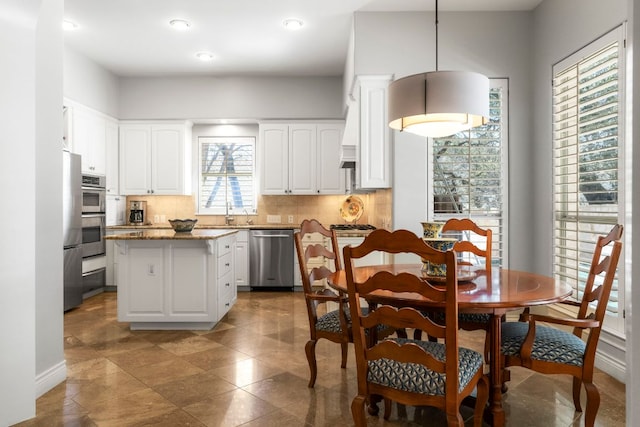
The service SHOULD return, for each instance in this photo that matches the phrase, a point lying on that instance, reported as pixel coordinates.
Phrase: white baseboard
(51, 378)
(611, 366)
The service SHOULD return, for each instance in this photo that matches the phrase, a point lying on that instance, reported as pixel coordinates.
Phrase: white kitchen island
(169, 280)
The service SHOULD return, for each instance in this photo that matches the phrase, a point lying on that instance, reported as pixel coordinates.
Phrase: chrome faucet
(249, 221)
(228, 219)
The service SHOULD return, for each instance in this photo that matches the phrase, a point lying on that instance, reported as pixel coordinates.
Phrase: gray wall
(89, 84)
(496, 44)
(30, 258)
(559, 29)
(199, 98)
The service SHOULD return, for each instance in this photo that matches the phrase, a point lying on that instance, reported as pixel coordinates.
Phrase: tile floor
(250, 370)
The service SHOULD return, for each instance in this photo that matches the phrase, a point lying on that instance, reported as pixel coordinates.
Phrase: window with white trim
(226, 176)
(469, 175)
(588, 146)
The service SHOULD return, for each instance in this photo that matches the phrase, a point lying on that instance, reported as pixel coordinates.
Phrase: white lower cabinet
(116, 210)
(374, 258)
(175, 284)
(242, 259)
(226, 284)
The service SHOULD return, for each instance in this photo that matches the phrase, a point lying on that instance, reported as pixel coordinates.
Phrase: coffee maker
(137, 212)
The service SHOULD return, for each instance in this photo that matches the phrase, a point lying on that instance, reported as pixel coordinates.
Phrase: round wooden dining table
(494, 291)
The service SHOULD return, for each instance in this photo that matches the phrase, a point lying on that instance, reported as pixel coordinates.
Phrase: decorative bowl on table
(441, 244)
(431, 230)
(182, 225)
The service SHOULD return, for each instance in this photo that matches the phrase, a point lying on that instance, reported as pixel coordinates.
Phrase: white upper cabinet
(373, 166)
(88, 138)
(297, 159)
(113, 175)
(155, 158)
(274, 146)
(330, 178)
(302, 159)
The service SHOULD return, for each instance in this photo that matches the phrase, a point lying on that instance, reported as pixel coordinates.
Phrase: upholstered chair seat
(549, 345)
(415, 378)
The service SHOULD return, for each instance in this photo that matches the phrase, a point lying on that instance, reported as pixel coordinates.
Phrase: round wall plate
(352, 208)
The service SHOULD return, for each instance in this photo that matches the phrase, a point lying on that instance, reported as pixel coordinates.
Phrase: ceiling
(246, 37)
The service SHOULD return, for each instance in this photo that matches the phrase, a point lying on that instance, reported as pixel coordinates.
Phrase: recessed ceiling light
(69, 25)
(204, 56)
(180, 24)
(292, 24)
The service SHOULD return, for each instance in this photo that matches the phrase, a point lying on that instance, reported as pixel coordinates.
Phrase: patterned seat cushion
(330, 322)
(417, 378)
(549, 345)
(474, 317)
(465, 317)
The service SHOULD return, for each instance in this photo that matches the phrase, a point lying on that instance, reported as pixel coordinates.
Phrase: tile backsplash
(326, 209)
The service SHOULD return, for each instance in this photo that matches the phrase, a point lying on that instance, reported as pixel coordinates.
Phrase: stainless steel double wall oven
(94, 197)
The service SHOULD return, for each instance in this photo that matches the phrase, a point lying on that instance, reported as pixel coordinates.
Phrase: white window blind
(227, 172)
(587, 146)
(469, 174)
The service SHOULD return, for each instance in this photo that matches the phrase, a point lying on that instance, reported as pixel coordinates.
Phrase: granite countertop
(169, 234)
(208, 227)
(204, 228)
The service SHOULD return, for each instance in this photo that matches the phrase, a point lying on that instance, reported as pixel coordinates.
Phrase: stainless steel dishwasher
(271, 258)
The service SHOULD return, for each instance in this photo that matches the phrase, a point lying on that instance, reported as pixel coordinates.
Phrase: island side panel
(143, 296)
(191, 287)
(167, 284)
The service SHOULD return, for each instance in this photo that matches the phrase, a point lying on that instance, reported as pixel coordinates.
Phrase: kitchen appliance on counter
(137, 212)
(72, 229)
(271, 255)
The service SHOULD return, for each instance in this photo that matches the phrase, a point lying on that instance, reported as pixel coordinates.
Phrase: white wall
(50, 363)
(231, 98)
(31, 37)
(494, 43)
(17, 256)
(90, 84)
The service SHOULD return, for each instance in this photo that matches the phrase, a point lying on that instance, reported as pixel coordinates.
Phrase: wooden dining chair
(333, 325)
(463, 229)
(549, 350)
(410, 372)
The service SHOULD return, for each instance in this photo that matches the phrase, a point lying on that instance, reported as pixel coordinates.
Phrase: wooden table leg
(495, 374)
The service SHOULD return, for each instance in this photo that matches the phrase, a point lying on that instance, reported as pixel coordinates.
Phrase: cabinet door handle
(226, 265)
(226, 284)
(226, 305)
(226, 247)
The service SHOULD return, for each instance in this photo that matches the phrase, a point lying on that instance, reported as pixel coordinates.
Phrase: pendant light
(439, 103)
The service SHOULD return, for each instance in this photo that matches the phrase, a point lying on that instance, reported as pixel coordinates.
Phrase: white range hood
(350, 138)
(348, 156)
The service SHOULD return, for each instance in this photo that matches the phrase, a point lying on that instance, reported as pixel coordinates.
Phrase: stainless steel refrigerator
(72, 229)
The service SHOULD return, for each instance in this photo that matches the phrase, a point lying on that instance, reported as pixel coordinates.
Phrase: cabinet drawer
(225, 244)
(225, 294)
(224, 264)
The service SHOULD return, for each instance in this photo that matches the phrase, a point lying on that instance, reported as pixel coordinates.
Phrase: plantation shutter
(469, 173)
(226, 175)
(587, 143)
